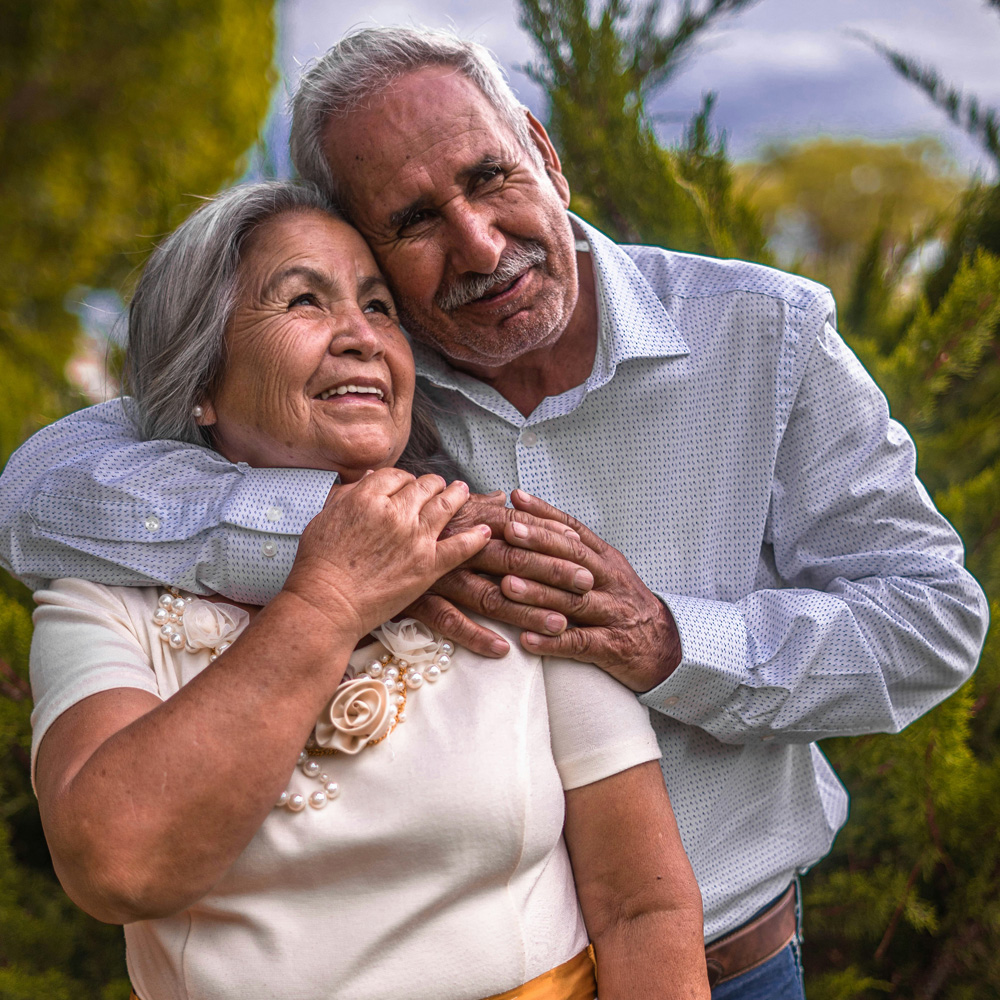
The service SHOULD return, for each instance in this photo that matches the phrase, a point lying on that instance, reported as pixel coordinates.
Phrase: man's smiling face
(469, 228)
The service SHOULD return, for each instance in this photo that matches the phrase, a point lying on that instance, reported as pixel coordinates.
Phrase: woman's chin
(353, 475)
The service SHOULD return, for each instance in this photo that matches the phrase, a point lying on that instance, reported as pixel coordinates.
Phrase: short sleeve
(598, 726)
(83, 644)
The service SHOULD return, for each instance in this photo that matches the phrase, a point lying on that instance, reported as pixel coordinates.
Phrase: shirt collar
(632, 323)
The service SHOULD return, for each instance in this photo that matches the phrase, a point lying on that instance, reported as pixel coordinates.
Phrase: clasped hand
(571, 593)
(378, 544)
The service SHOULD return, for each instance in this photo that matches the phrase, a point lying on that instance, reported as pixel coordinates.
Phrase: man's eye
(415, 219)
(305, 299)
(490, 175)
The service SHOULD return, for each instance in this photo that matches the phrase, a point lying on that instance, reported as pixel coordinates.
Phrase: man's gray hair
(364, 63)
(184, 300)
(176, 350)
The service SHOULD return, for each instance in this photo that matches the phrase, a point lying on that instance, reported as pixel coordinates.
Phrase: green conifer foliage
(113, 113)
(908, 904)
(600, 69)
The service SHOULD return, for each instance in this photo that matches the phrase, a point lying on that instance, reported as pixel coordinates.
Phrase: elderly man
(759, 560)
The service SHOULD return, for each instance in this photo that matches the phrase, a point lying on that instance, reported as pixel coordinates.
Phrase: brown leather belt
(754, 943)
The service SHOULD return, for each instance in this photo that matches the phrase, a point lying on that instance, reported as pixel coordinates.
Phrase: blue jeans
(779, 978)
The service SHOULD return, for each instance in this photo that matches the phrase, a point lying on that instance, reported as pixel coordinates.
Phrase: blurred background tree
(908, 904)
(600, 70)
(821, 200)
(113, 113)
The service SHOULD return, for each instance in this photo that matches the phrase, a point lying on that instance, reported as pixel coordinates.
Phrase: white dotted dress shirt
(727, 442)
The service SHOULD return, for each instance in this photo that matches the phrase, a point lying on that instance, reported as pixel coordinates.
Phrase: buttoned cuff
(714, 660)
(277, 501)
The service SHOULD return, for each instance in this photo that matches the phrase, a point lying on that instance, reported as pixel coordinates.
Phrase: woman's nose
(351, 333)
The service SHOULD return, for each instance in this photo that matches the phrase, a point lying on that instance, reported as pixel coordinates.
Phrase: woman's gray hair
(183, 302)
(364, 63)
(177, 319)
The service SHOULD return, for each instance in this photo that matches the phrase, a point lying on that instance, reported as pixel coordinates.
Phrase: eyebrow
(312, 276)
(400, 216)
(372, 282)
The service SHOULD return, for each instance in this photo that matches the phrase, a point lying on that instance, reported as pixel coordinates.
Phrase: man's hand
(619, 624)
(473, 585)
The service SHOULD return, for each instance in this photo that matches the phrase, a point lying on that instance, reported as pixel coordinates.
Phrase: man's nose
(476, 243)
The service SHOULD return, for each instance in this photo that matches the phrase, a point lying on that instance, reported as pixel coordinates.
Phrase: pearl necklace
(399, 677)
(426, 659)
(169, 615)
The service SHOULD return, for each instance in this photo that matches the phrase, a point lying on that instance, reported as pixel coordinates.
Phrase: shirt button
(529, 439)
(151, 523)
(671, 701)
(269, 548)
(273, 513)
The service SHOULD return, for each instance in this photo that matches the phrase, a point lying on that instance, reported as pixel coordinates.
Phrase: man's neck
(554, 369)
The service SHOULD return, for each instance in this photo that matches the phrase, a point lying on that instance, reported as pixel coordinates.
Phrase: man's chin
(483, 346)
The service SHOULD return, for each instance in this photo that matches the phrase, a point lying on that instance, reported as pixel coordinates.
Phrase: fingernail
(461, 484)
(516, 584)
(485, 529)
(499, 647)
(570, 533)
(555, 623)
(583, 579)
(519, 530)
(532, 638)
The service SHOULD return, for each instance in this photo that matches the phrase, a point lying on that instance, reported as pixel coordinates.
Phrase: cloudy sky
(783, 69)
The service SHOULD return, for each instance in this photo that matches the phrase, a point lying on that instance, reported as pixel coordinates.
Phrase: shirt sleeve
(597, 725)
(873, 619)
(82, 644)
(85, 498)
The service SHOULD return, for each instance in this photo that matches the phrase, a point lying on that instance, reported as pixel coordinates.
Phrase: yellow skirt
(573, 980)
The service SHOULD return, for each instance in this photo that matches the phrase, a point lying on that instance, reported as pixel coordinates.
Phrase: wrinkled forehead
(417, 130)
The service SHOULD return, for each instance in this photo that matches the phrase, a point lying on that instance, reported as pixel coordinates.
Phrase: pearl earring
(197, 411)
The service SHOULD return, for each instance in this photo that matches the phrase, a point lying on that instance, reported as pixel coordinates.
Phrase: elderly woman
(275, 803)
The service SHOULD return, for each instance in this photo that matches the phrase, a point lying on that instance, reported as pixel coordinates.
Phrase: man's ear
(549, 156)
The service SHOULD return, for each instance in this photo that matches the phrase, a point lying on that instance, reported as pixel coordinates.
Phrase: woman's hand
(376, 546)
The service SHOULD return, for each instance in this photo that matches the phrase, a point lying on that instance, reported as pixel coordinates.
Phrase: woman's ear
(204, 414)
(550, 157)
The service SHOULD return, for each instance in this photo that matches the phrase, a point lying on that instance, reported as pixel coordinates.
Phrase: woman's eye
(305, 299)
(379, 306)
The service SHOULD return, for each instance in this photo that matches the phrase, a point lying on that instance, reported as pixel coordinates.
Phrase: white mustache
(469, 287)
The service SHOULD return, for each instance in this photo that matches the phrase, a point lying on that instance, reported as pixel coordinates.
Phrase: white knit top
(439, 873)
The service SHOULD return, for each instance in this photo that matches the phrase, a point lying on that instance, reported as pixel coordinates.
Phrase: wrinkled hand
(375, 546)
(474, 586)
(619, 624)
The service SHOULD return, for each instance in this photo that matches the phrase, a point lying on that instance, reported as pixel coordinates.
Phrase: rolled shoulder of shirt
(84, 497)
(872, 618)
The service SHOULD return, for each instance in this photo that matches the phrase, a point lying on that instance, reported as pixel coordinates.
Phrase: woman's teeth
(343, 390)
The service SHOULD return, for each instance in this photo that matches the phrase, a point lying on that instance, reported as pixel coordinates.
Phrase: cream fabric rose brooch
(192, 623)
(360, 711)
(207, 625)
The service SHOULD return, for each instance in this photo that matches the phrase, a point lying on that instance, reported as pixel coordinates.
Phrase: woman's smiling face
(318, 373)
